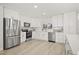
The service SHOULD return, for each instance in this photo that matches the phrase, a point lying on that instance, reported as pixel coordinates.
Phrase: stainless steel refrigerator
(11, 32)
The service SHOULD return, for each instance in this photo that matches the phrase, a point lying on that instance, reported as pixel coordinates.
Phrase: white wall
(11, 13)
(35, 22)
(77, 23)
(45, 20)
(54, 21)
(24, 19)
(70, 20)
(1, 28)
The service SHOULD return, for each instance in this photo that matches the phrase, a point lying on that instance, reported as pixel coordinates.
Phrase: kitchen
(42, 23)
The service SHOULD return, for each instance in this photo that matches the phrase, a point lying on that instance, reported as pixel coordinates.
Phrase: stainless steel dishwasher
(51, 37)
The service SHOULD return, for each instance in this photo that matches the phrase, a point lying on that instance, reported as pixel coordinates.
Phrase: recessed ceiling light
(35, 6)
(43, 13)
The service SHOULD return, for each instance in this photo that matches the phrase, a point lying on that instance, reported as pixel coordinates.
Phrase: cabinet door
(23, 36)
(36, 35)
(44, 36)
(54, 21)
(16, 40)
(70, 23)
(60, 37)
(60, 20)
(40, 35)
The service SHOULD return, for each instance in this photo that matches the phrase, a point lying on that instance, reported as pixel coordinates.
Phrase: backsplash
(47, 26)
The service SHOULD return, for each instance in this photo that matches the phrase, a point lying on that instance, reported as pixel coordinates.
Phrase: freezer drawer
(9, 42)
(16, 40)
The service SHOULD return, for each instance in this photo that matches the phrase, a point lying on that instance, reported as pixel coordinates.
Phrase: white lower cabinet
(35, 35)
(40, 35)
(60, 37)
(23, 36)
(44, 36)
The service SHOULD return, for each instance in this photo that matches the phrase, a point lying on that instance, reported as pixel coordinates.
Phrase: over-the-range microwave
(26, 24)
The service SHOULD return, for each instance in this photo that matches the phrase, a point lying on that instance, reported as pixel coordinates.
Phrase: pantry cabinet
(70, 20)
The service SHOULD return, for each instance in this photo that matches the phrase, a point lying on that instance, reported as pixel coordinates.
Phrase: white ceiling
(27, 9)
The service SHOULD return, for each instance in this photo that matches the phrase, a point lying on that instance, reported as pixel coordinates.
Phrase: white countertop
(73, 40)
(47, 30)
(44, 30)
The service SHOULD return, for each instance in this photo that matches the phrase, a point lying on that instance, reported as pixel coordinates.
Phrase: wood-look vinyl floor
(36, 47)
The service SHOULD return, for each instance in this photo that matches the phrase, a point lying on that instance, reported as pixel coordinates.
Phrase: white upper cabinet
(60, 20)
(54, 21)
(35, 22)
(70, 23)
(57, 20)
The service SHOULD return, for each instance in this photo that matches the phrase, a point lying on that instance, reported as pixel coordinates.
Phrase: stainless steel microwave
(26, 24)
